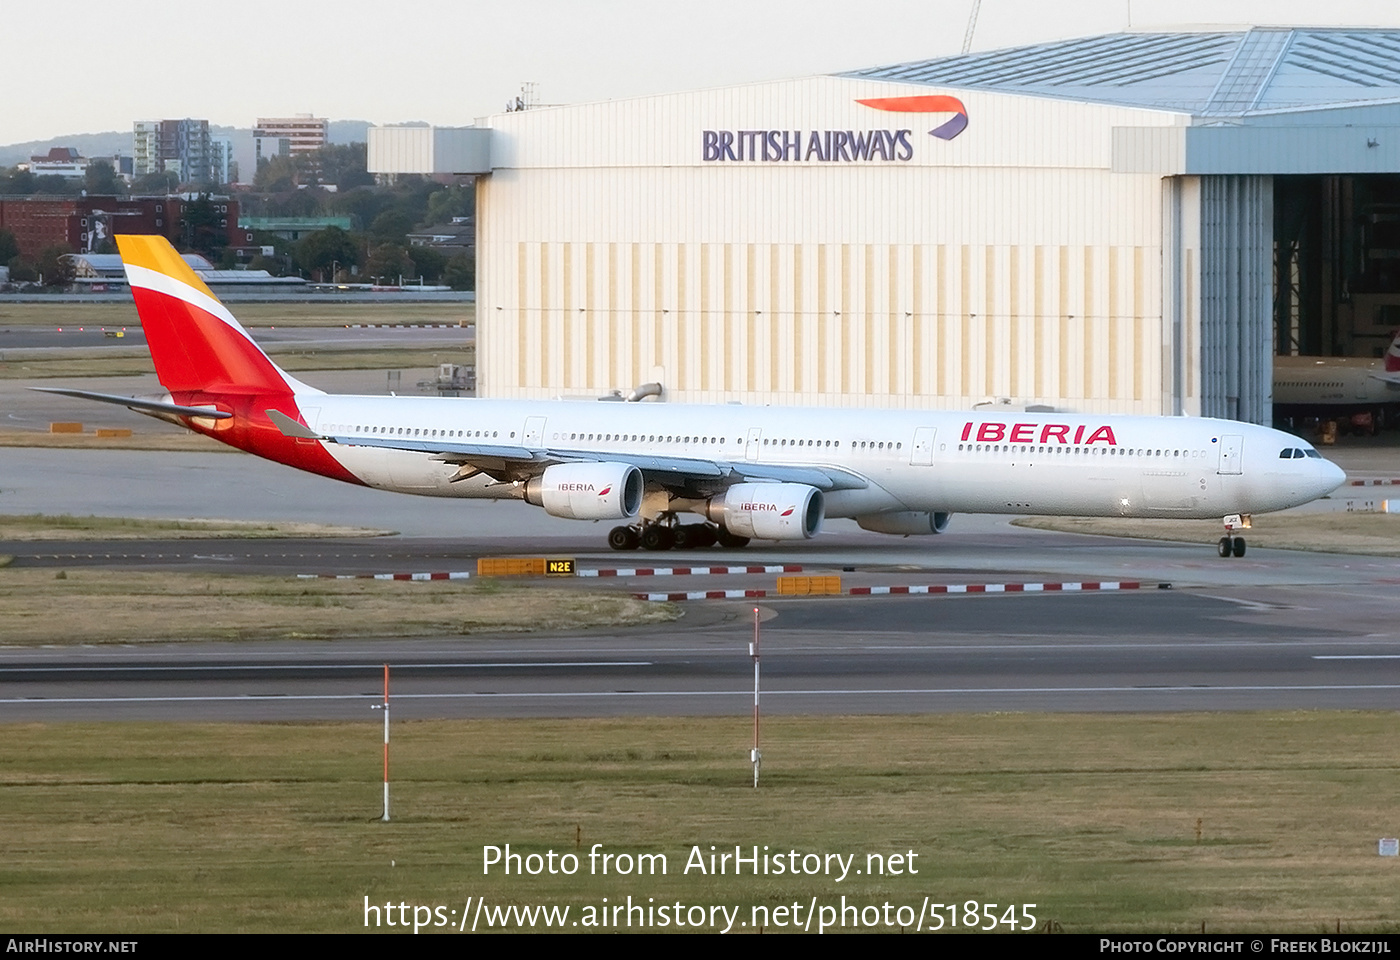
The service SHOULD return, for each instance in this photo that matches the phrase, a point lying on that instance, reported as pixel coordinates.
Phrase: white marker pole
(755, 757)
(385, 708)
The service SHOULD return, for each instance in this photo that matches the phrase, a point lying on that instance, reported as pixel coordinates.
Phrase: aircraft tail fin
(196, 344)
(1392, 355)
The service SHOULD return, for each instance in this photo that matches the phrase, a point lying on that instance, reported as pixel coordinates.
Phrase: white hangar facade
(1133, 223)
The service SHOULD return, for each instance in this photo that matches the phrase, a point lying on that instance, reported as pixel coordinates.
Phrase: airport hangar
(1130, 223)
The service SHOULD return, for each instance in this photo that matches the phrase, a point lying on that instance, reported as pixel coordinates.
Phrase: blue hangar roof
(1262, 70)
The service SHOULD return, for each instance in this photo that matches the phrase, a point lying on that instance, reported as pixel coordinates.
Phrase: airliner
(738, 472)
(1365, 391)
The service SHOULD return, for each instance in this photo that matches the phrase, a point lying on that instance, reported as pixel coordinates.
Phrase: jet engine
(907, 523)
(588, 491)
(769, 511)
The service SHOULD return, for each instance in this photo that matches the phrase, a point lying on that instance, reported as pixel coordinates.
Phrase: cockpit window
(1310, 452)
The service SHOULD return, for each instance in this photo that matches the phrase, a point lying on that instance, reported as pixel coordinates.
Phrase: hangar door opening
(1235, 367)
(1336, 264)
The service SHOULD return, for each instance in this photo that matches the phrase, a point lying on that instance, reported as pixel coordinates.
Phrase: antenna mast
(971, 25)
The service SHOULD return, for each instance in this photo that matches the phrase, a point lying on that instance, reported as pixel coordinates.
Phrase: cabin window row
(1095, 451)
(414, 431)
(635, 438)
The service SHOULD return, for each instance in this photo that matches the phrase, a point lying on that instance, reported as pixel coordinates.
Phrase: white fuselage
(1324, 382)
(969, 462)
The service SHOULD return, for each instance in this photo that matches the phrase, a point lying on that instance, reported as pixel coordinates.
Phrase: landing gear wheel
(729, 541)
(657, 537)
(1237, 546)
(623, 538)
(693, 535)
(1225, 546)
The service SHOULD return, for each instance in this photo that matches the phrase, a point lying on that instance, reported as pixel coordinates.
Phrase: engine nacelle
(907, 523)
(770, 511)
(588, 491)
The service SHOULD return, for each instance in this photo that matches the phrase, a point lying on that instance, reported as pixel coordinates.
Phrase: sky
(449, 61)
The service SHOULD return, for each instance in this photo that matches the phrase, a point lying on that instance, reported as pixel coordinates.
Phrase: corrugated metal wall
(1010, 263)
(942, 325)
(1236, 277)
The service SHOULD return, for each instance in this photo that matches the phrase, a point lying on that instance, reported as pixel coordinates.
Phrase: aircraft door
(1231, 455)
(534, 433)
(754, 441)
(921, 454)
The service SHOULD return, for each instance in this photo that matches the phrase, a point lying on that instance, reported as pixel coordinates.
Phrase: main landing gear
(665, 534)
(1231, 545)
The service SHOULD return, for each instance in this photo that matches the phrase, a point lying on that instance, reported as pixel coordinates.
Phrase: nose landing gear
(1231, 545)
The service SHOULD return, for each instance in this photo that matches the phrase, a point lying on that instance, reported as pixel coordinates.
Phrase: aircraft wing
(668, 471)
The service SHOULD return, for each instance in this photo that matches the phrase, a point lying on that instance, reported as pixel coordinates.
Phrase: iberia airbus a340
(744, 472)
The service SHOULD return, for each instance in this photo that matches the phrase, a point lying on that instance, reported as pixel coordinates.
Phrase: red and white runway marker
(385, 576)
(703, 595)
(618, 572)
(1069, 586)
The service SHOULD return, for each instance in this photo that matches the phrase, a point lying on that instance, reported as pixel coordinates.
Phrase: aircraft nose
(1332, 477)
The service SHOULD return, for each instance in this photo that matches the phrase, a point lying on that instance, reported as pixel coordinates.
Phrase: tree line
(382, 215)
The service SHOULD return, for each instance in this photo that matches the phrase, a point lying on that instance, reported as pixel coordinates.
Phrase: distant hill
(119, 141)
(89, 144)
(348, 131)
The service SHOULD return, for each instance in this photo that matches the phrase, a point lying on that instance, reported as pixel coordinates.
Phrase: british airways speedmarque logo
(836, 146)
(930, 104)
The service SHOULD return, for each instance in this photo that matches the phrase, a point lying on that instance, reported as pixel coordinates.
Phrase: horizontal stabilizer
(290, 428)
(1386, 377)
(140, 404)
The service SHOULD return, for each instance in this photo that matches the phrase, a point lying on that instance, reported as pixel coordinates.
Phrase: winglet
(290, 428)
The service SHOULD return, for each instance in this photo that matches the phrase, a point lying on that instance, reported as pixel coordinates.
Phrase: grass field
(1244, 822)
(121, 606)
(146, 436)
(1372, 534)
(39, 526)
(312, 314)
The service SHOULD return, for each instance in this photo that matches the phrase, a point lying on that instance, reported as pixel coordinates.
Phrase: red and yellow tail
(203, 356)
(195, 342)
